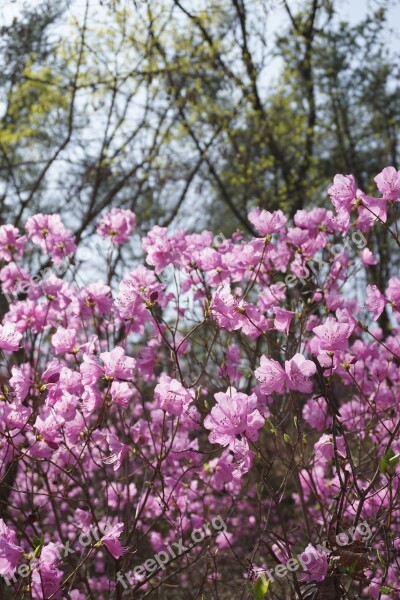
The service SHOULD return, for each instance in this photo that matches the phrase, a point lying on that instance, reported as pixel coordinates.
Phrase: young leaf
(260, 588)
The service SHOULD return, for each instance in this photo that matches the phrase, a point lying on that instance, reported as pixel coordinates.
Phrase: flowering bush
(244, 385)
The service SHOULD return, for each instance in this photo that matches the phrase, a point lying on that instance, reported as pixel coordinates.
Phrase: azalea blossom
(64, 340)
(117, 224)
(117, 365)
(46, 576)
(235, 414)
(324, 447)
(136, 291)
(48, 232)
(333, 335)
(298, 370)
(118, 451)
(388, 183)
(9, 338)
(282, 320)
(367, 257)
(171, 396)
(120, 416)
(316, 562)
(372, 209)
(10, 552)
(393, 291)
(343, 192)
(270, 375)
(111, 542)
(121, 393)
(224, 309)
(12, 244)
(265, 222)
(375, 301)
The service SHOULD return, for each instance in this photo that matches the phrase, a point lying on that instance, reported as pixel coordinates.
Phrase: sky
(351, 10)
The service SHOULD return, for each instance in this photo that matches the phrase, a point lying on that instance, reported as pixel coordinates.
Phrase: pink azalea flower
(90, 370)
(172, 397)
(52, 373)
(48, 232)
(46, 577)
(367, 258)
(224, 309)
(163, 250)
(121, 393)
(117, 365)
(134, 292)
(375, 301)
(9, 337)
(95, 298)
(312, 219)
(11, 243)
(343, 192)
(146, 363)
(16, 415)
(316, 562)
(393, 291)
(298, 370)
(297, 236)
(282, 320)
(235, 414)
(333, 335)
(28, 316)
(49, 426)
(372, 209)
(272, 294)
(21, 380)
(83, 520)
(388, 183)
(252, 322)
(315, 413)
(222, 469)
(324, 448)
(64, 340)
(242, 457)
(117, 224)
(10, 552)
(111, 542)
(118, 451)
(12, 277)
(271, 376)
(265, 222)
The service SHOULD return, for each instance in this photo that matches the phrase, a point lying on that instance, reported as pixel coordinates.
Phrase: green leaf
(394, 460)
(37, 542)
(384, 589)
(260, 588)
(388, 462)
(270, 427)
(380, 557)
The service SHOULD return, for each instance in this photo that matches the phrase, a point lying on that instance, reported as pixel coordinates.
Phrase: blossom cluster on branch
(155, 406)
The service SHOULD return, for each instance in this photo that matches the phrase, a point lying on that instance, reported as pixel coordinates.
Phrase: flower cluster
(156, 406)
